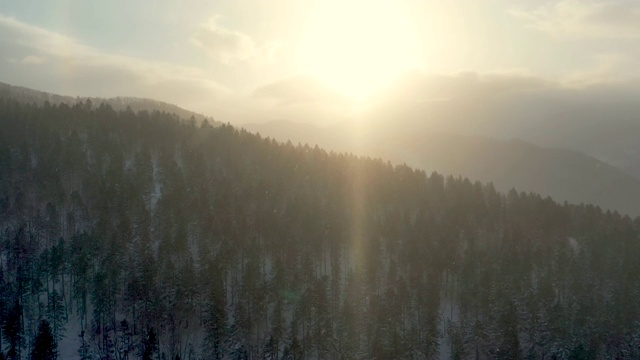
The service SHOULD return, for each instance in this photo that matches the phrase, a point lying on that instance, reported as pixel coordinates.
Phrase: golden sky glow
(259, 60)
(358, 46)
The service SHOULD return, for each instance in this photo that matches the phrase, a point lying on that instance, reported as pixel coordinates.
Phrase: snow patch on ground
(575, 246)
(70, 343)
(157, 186)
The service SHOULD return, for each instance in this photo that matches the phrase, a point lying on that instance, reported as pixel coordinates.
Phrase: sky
(245, 61)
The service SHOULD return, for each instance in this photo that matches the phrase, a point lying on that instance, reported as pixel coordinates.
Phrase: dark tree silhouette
(44, 346)
(150, 345)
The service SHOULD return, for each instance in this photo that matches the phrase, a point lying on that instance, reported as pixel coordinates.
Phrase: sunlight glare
(358, 46)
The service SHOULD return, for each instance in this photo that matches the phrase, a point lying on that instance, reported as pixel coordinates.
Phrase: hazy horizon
(324, 61)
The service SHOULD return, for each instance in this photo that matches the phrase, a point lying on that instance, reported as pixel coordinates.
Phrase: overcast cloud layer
(46, 60)
(581, 18)
(592, 41)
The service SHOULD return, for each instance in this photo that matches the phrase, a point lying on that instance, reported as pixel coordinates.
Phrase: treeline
(136, 235)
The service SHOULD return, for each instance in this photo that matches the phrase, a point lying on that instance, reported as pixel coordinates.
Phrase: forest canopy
(130, 234)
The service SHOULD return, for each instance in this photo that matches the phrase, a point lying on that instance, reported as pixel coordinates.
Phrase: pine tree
(83, 350)
(56, 314)
(270, 351)
(45, 346)
(149, 345)
(293, 351)
(215, 327)
(13, 331)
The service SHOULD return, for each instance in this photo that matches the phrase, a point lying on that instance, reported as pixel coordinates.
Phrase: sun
(358, 46)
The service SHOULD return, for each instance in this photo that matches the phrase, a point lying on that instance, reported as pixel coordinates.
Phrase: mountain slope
(601, 121)
(562, 174)
(136, 234)
(414, 139)
(27, 95)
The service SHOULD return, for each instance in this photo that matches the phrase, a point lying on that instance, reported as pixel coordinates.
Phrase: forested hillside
(129, 235)
(28, 96)
(563, 174)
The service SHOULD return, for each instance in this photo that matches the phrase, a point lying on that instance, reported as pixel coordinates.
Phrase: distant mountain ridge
(27, 95)
(600, 121)
(564, 175)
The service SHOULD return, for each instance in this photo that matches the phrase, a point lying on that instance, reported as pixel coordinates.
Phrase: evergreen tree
(12, 331)
(270, 351)
(149, 345)
(56, 314)
(83, 351)
(45, 346)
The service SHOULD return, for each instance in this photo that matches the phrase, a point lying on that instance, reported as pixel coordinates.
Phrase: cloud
(508, 104)
(299, 90)
(33, 59)
(76, 69)
(422, 87)
(297, 98)
(228, 46)
(605, 69)
(586, 19)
